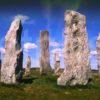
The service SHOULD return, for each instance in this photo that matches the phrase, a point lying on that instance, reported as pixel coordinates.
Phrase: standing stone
(11, 70)
(45, 67)
(57, 64)
(28, 66)
(98, 53)
(0, 64)
(76, 51)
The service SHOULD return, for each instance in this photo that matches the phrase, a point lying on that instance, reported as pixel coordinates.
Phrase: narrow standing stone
(28, 66)
(57, 64)
(11, 70)
(98, 53)
(45, 56)
(76, 51)
(0, 64)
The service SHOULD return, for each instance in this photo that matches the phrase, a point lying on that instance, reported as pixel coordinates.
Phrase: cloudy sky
(48, 15)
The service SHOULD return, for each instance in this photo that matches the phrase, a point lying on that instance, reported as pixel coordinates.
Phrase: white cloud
(24, 18)
(93, 53)
(54, 44)
(2, 50)
(28, 46)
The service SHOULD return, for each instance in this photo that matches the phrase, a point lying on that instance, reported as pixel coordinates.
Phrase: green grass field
(38, 87)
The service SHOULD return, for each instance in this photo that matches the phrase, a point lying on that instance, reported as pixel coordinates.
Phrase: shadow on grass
(29, 80)
(22, 83)
(17, 85)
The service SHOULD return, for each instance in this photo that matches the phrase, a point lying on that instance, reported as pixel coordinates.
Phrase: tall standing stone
(56, 64)
(0, 64)
(76, 51)
(45, 56)
(98, 53)
(0, 60)
(11, 70)
(28, 66)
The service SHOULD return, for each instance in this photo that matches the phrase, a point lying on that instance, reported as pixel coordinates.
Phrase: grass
(38, 87)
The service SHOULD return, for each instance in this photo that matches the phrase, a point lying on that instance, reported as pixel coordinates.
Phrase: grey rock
(76, 51)
(11, 70)
(0, 65)
(45, 67)
(57, 64)
(28, 66)
(98, 53)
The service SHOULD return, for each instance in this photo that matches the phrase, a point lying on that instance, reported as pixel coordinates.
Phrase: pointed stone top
(98, 38)
(15, 24)
(28, 56)
(14, 27)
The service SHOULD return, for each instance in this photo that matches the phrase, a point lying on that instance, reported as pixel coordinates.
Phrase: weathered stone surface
(11, 70)
(28, 66)
(57, 64)
(45, 67)
(0, 62)
(76, 51)
(98, 53)
(0, 65)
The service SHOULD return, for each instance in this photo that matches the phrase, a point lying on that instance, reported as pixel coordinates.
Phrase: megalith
(57, 64)
(28, 66)
(11, 70)
(0, 61)
(0, 64)
(98, 53)
(45, 67)
(76, 51)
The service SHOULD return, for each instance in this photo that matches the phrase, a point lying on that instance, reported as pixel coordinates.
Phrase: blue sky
(49, 16)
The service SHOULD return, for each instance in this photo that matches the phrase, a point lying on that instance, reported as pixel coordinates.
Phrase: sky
(48, 15)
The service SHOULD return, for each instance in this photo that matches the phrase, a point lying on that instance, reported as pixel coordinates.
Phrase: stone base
(75, 76)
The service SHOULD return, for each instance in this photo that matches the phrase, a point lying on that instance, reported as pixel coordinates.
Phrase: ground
(38, 87)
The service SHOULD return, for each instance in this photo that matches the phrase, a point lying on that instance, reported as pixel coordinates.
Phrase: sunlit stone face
(76, 51)
(11, 71)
